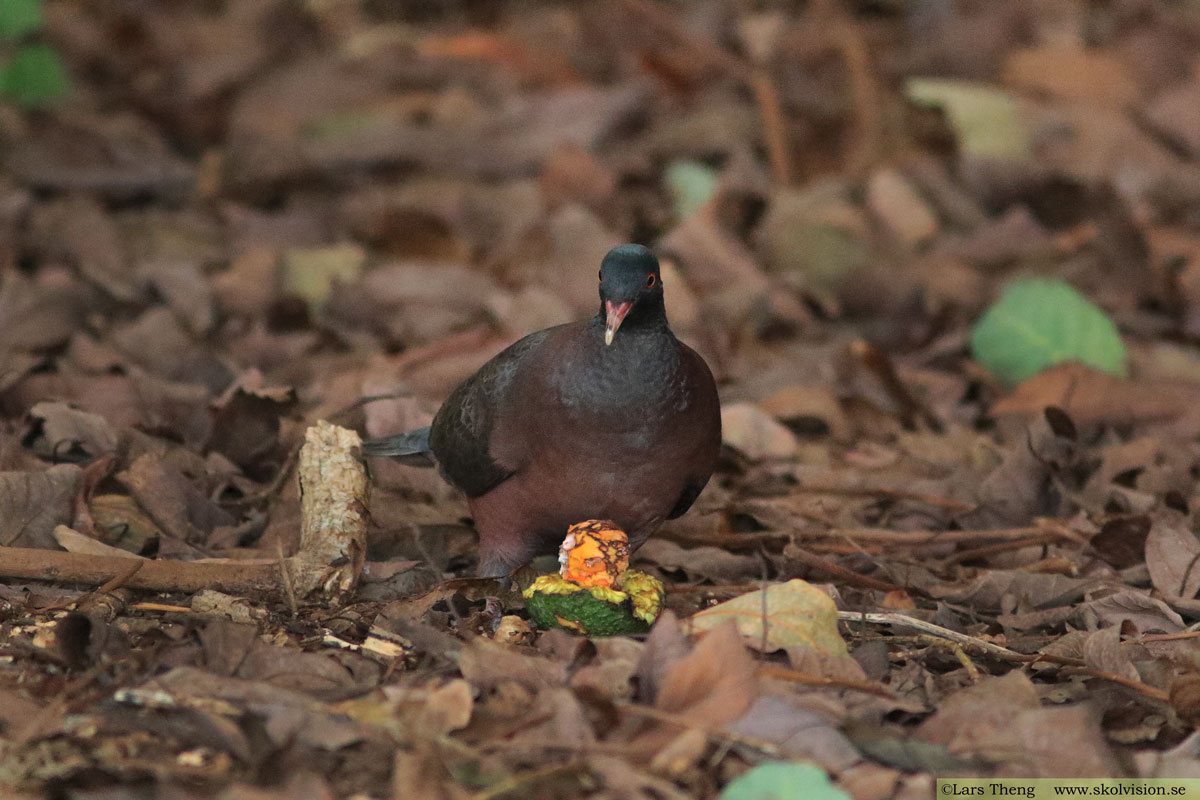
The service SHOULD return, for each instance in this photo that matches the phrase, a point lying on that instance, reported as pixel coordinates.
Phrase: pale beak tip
(608, 336)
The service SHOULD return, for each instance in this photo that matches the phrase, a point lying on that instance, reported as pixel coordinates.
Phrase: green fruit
(553, 602)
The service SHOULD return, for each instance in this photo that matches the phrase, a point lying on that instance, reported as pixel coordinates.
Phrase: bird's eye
(651, 279)
(600, 276)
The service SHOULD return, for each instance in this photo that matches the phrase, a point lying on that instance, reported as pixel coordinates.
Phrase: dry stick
(759, 81)
(117, 582)
(774, 125)
(968, 664)
(1167, 637)
(678, 720)
(521, 782)
(226, 575)
(120, 580)
(944, 637)
(847, 38)
(163, 607)
(880, 535)
(936, 631)
(847, 575)
(805, 679)
(911, 407)
(948, 503)
(1143, 689)
(1002, 547)
(270, 490)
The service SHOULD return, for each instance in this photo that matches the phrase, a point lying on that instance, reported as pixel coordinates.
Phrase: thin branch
(944, 637)
(847, 575)
(227, 575)
(948, 503)
(937, 631)
(805, 679)
(757, 79)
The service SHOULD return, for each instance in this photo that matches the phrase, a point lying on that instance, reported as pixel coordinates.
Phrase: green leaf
(782, 780)
(984, 118)
(19, 18)
(1041, 322)
(34, 76)
(692, 184)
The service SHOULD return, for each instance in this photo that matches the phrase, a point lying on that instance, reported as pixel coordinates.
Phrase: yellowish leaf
(792, 614)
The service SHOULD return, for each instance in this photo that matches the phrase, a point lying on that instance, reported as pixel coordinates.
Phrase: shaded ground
(250, 214)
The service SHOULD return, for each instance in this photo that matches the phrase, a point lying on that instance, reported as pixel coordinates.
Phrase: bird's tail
(410, 448)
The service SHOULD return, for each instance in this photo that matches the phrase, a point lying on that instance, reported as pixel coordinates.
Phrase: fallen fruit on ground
(595, 594)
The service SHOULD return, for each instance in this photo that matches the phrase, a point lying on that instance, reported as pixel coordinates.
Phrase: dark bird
(606, 418)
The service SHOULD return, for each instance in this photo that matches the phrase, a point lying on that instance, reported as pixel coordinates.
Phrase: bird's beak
(614, 316)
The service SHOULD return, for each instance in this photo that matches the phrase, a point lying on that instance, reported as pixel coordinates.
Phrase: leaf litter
(218, 241)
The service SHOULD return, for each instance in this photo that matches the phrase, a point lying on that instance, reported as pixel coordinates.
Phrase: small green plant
(31, 72)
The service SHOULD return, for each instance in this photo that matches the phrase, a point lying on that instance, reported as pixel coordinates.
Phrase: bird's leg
(502, 552)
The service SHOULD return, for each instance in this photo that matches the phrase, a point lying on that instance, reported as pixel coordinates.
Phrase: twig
(968, 664)
(285, 580)
(227, 575)
(720, 736)
(948, 503)
(944, 537)
(759, 81)
(163, 607)
(1166, 637)
(580, 747)
(878, 535)
(1001, 547)
(805, 679)
(522, 781)
(847, 575)
(1152, 692)
(270, 490)
(774, 125)
(944, 637)
(911, 407)
(937, 631)
(846, 37)
(112, 585)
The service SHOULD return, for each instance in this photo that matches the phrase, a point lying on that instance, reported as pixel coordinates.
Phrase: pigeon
(606, 418)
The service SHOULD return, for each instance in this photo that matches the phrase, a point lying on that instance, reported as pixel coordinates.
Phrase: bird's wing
(462, 430)
(707, 418)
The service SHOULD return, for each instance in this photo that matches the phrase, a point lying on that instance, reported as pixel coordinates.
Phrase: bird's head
(630, 287)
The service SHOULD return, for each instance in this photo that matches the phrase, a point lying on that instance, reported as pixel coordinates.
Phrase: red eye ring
(651, 280)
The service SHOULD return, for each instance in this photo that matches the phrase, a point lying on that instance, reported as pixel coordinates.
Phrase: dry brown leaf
(1072, 74)
(1173, 558)
(753, 432)
(64, 429)
(1092, 397)
(75, 542)
(711, 686)
(33, 504)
